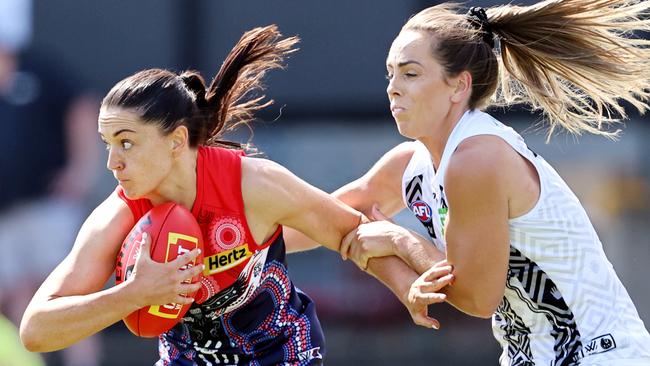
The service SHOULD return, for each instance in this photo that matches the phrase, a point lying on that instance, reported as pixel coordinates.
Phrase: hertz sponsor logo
(226, 259)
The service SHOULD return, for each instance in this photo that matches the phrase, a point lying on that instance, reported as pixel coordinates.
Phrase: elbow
(31, 339)
(477, 305)
(484, 313)
(477, 295)
(483, 307)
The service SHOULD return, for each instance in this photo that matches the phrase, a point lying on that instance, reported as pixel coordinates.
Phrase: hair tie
(194, 84)
(478, 19)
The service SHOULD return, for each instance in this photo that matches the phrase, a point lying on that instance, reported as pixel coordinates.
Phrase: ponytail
(168, 100)
(241, 74)
(575, 60)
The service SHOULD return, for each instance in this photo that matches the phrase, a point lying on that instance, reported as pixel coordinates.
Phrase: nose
(114, 162)
(392, 89)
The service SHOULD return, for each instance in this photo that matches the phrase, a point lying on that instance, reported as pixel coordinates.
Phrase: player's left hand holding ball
(163, 283)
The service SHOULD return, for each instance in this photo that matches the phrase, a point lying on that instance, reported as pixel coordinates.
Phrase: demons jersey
(247, 311)
(563, 303)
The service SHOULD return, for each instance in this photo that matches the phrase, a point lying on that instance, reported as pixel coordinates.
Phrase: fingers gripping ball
(173, 231)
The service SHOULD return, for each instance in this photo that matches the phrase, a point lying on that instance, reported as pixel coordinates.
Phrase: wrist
(401, 242)
(405, 291)
(130, 296)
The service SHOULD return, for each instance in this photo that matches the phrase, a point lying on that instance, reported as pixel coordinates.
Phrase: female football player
(522, 247)
(162, 131)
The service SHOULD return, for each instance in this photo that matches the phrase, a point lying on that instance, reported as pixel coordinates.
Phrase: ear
(179, 140)
(463, 87)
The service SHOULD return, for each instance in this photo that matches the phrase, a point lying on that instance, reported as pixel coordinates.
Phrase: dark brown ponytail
(169, 100)
(258, 51)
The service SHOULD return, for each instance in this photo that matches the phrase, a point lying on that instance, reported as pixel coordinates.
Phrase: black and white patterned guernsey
(563, 303)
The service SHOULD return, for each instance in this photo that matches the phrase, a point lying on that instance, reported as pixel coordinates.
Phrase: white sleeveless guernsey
(563, 303)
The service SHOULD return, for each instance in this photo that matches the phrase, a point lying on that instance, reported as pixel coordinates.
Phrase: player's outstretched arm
(390, 270)
(71, 305)
(277, 196)
(379, 186)
(274, 196)
(378, 194)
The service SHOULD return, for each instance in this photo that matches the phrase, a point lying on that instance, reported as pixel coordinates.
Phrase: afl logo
(228, 233)
(421, 210)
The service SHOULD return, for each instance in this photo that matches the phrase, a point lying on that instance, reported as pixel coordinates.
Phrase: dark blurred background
(329, 124)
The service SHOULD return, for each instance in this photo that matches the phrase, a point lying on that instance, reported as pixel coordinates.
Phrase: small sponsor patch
(603, 343)
(421, 210)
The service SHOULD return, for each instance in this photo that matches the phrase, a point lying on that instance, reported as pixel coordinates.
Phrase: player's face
(418, 90)
(139, 155)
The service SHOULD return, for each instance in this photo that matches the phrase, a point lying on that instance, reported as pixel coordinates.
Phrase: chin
(403, 129)
(130, 193)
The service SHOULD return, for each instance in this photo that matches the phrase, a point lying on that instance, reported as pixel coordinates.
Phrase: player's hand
(420, 316)
(372, 239)
(163, 283)
(367, 241)
(425, 290)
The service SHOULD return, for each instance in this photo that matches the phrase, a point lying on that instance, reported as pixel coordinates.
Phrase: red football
(173, 231)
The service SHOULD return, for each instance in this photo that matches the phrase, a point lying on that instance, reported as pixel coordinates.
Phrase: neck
(437, 140)
(180, 186)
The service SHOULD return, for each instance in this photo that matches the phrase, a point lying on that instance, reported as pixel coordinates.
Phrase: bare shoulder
(114, 210)
(397, 158)
(261, 176)
(402, 151)
(481, 164)
(386, 174)
(382, 184)
(269, 188)
(482, 154)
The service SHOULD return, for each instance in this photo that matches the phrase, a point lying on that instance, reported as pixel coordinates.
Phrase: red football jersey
(219, 210)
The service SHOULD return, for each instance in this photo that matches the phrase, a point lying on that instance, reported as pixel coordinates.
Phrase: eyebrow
(121, 131)
(404, 63)
(408, 62)
(116, 133)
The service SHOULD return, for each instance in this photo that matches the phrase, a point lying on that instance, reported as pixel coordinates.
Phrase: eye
(410, 74)
(126, 144)
(389, 76)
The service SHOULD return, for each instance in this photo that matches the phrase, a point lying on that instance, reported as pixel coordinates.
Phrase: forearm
(50, 325)
(394, 274)
(418, 252)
